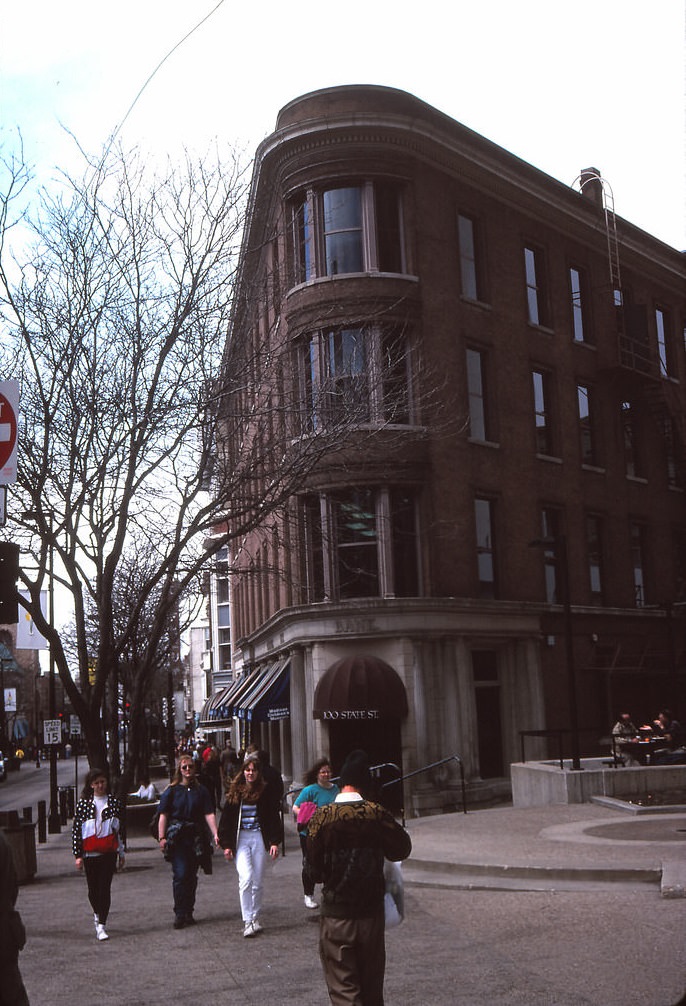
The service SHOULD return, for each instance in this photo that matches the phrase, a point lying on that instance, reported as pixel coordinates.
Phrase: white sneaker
(257, 927)
(310, 902)
(249, 930)
(100, 931)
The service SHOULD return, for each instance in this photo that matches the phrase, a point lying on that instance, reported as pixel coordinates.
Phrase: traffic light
(9, 574)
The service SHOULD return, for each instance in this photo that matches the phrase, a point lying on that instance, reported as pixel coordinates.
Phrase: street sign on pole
(52, 732)
(74, 726)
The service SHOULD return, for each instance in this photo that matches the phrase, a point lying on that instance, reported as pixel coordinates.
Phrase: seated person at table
(674, 735)
(624, 729)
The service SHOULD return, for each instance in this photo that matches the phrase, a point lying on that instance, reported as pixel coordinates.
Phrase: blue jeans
(185, 878)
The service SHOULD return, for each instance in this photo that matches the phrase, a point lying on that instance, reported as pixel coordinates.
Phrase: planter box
(539, 784)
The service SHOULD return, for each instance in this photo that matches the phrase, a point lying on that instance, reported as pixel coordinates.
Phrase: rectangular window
(587, 425)
(675, 469)
(356, 537)
(347, 229)
(637, 563)
(302, 240)
(476, 392)
(355, 375)
(536, 287)
(395, 376)
(405, 574)
(485, 548)
(543, 428)
(343, 230)
(388, 228)
(470, 273)
(664, 347)
(594, 548)
(312, 572)
(345, 378)
(577, 287)
(550, 531)
(632, 460)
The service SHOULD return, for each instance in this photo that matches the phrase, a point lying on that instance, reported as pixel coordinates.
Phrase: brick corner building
(487, 369)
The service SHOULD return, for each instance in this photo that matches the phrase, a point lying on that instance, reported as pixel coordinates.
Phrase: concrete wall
(536, 784)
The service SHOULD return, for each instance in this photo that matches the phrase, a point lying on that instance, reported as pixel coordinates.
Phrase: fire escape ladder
(612, 242)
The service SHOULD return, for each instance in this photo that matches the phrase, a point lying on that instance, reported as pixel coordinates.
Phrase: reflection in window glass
(468, 273)
(343, 231)
(544, 439)
(356, 545)
(577, 305)
(594, 547)
(483, 513)
(476, 389)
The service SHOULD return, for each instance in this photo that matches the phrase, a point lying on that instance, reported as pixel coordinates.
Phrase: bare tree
(116, 310)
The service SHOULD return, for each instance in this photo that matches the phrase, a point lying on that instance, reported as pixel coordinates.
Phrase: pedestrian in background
(186, 812)
(98, 844)
(317, 792)
(347, 843)
(12, 933)
(250, 831)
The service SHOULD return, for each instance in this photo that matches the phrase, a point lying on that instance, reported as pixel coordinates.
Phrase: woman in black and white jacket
(98, 844)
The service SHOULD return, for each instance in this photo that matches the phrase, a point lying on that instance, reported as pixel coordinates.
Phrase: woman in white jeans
(250, 830)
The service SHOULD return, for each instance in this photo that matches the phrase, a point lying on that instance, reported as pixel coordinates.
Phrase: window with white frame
(550, 532)
(471, 267)
(588, 435)
(579, 305)
(484, 520)
(632, 456)
(355, 375)
(360, 542)
(637, 562)
(477, 392)
(664, 342)
(347, 228)
(542, 412)
(594, 548)
(536, 287)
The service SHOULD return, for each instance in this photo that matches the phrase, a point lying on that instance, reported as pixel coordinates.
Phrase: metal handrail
(408, 775)
(427, 768)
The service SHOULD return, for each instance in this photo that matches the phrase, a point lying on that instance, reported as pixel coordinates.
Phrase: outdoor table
(641, 748)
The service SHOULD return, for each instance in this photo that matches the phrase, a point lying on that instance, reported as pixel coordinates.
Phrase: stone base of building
(448, 800)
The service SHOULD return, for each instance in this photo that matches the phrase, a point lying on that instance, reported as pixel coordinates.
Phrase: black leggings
(308, 883)
(99, 872)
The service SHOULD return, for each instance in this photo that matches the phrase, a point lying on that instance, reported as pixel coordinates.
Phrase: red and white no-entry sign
(9, 410)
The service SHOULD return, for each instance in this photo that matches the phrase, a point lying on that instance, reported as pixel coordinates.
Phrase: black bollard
(27, 814)
(63, 805)
(42, 823)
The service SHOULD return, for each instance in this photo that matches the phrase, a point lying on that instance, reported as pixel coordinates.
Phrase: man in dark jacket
(347, 842)
(12, 935)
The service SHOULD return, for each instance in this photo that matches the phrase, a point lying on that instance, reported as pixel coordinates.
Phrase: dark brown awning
(360, 688)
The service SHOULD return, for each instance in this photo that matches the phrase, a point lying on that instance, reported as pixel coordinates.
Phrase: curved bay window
(347, 229)
(354, 376)
(360, 542)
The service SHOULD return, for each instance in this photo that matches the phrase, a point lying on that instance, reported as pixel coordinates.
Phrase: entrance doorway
(489, 723)
(381, 740)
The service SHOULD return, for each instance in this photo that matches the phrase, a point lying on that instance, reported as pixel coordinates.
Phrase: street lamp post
(559, 544)
(54, 820)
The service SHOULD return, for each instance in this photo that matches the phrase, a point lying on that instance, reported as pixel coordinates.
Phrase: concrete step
(468, 876)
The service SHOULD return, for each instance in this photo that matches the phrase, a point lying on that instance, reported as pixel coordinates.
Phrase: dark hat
(355, 771)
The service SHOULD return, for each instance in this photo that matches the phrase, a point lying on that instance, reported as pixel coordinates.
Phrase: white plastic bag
(394, 897)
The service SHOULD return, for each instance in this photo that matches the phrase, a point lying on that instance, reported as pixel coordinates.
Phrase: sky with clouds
(562, 85)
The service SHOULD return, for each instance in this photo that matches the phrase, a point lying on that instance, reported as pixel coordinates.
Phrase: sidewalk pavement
(458, 945)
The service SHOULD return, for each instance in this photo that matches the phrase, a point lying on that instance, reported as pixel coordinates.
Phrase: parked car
(3, 767)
